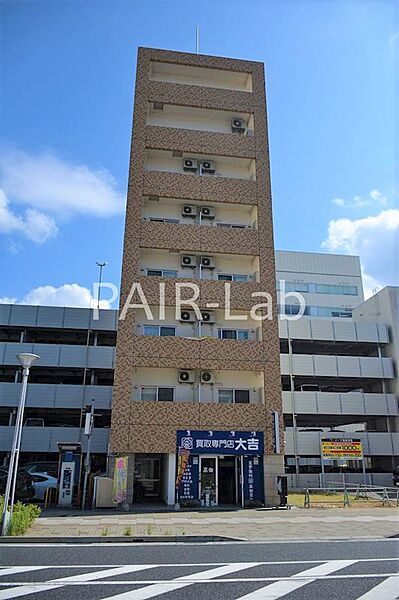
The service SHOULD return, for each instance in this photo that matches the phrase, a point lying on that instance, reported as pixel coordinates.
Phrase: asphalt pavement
(344, 570)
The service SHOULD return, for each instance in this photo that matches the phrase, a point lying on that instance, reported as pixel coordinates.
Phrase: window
(233, 334)
(159, 330)
(350, 290)
(161, 273)
(233, 396)
(227, 277)
(162, 394)
(161, 220)
(293, 286)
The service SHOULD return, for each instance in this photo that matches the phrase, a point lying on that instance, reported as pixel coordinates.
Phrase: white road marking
(24, 590)
(15, 570)
(388, 589)
(175, 584)
(281, 588)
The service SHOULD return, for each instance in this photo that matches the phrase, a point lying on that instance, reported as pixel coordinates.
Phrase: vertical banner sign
(188, 487)
(183, 458)
(253, 479)
(120, 480)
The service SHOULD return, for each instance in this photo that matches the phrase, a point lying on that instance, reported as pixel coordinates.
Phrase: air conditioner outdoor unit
(208, 316)
(190, 165)
(238, 125)
(189, 261)
(207, 213)
(186, 376)
(207, 166)
(187, 316)
(189, 210)
(208, 262)
(206, 377)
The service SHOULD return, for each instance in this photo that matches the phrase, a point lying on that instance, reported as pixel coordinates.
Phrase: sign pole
(242, 480)
(364, 470)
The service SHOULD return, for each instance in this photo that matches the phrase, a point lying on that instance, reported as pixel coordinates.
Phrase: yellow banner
(342, 448)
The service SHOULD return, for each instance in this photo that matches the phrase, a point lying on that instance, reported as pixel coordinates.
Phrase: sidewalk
(251, 525)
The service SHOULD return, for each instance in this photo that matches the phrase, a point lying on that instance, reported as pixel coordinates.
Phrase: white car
(41, 482)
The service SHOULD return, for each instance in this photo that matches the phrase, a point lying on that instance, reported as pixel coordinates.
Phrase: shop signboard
(234, 443)
(341, 448)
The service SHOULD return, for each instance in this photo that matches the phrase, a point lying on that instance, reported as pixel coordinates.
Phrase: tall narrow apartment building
(199, 391)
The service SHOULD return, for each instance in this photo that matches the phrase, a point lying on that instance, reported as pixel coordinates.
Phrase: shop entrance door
(208, 480)
(227, 487)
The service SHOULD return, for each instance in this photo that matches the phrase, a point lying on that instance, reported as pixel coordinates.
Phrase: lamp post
(100, 265)
(26, 359)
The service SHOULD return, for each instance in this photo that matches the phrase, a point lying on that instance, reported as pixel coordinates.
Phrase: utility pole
(88, 431)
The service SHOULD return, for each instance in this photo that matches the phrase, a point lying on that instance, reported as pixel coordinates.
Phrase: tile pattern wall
(151, 427)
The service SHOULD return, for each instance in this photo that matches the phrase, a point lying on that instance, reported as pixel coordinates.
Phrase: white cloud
(34, 225)
(375, 239)
(45, 182)
(375, 197)
(6, 300)
(69, 294)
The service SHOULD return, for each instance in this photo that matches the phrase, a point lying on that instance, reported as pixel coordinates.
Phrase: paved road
(364, 570)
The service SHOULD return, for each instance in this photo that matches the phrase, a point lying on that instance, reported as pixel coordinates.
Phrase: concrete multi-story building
(199, 213)
(339, 378)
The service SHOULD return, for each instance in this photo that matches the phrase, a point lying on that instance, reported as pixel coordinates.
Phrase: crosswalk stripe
(25, 590)
(15, 570)
(281, 588)
(175, 584)
(388, 590)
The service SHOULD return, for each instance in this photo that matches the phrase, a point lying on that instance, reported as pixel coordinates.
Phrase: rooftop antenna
(197, 39)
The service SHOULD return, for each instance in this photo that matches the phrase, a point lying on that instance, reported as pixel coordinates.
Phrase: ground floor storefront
(207, 469)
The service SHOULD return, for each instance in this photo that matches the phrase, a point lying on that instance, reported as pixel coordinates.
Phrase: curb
(116, 539)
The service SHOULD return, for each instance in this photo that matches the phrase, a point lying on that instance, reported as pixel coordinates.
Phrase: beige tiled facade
(150, 427)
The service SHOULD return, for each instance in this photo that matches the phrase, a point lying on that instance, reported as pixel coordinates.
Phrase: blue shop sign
(221, 442)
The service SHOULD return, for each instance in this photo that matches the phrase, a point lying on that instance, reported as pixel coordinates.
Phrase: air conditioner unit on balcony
(186, 376)
(188, 260)
(208, 262)
(238, 125)
(207, 213)
(190, 165)
(207, 377)
(207, 166)
(208, 316)
(189, 210)
(187, 316)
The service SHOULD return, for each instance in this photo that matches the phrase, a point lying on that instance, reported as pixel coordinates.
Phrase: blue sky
(67, 100)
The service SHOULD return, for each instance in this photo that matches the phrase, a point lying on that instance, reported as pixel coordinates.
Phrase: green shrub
(22, 517)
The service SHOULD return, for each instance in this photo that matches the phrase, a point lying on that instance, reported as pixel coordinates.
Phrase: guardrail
(385, 495)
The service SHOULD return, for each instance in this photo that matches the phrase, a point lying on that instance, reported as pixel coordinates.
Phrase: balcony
(201, 76)
(224, 167)
(199, 238)
(188, 212)
(206, 189)
(205, 353)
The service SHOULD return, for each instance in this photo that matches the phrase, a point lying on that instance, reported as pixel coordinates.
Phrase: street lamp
(100, 265)
(26, 359)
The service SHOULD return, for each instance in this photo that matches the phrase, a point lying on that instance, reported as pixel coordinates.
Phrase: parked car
(34, 422)
(44, 476)
(24, 490)
(395, 476)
